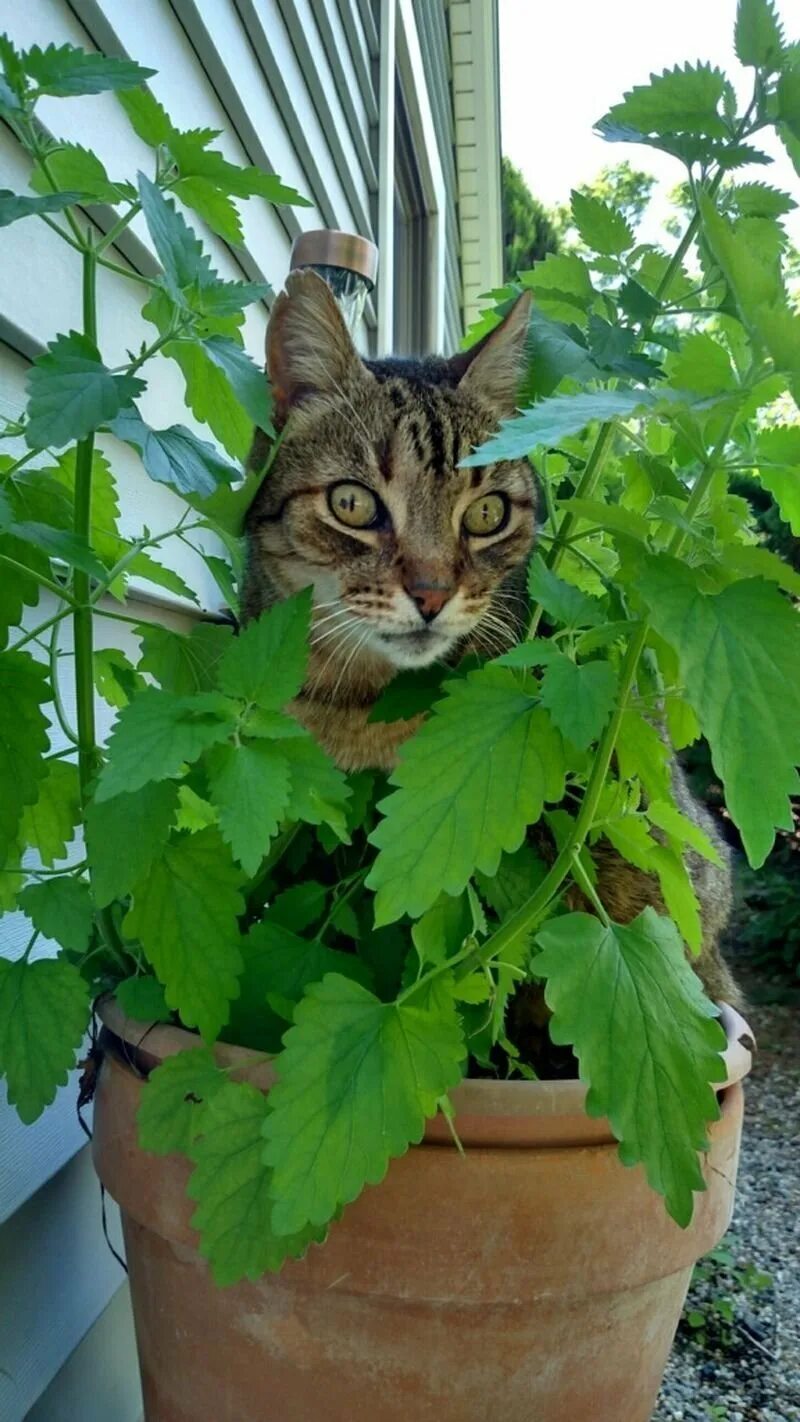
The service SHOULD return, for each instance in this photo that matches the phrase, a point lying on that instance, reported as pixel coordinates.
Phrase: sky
(563, 63)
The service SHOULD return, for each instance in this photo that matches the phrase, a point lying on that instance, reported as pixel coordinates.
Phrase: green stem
(132, 554)
(58, 703)
(56, 227)
(587, 888)
(127, 272)
(351, 885)
(42, 627)
(84, 659)
(114, 232)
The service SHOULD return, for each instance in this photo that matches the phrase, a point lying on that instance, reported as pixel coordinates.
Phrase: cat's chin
(410, 650)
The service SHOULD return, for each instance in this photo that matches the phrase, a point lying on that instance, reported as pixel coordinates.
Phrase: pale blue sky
(563, 63)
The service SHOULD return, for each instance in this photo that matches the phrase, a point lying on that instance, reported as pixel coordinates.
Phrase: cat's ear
(493, 368)
(309, 348)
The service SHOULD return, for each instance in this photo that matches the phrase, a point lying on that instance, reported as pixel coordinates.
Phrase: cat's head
(407, 553)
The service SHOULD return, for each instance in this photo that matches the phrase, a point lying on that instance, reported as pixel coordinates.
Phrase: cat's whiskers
(359, 644)
(337, 630)
(339, 648)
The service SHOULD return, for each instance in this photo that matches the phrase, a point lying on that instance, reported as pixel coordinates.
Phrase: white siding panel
(56, 1277)
(107, 1356)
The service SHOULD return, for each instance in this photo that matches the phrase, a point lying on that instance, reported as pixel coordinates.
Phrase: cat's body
(412, 559)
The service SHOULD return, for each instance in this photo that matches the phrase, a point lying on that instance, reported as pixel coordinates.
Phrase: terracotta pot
(536, 1279)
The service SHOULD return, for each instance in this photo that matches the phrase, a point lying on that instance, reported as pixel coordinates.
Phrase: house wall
(294, 85)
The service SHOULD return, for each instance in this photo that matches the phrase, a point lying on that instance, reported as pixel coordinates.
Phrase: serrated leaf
(212, 206)
(301, 905)
(759, 35)
(48, 824)
(175, 1100)
(247, 380)
(668, 818)
(561, 601)
(143, 999)
(778, 454)
(601, 227)
(451, 812)
(702, 365)
(211, 398)
(191, 153)
(125, 834)
(249, 784)
(518, 876)
(319, 791)
(579, 698)
(760, 200)
(23, 740)
(70, 548)
(562, 287)
(551, 420)
(179, 250)
(194, 813)
(44, 1011)
(13, 206)
(115, 677)
(77, 169)
(646, 1038)
(231, 1186)
(215, 299)
(65, 71)
(182, 664)
(739, 656)
(357, 1080)
(266, 664)
(71, 392)
(156, 734)
(680, 100)
(788, 96)
(174, 456)
(408, 695)
(148, 119)
(440, 932)
(61, 908)
(643, 754)
(750, 264)
(184, 914)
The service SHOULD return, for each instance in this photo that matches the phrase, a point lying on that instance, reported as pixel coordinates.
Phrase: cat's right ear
(309, 348)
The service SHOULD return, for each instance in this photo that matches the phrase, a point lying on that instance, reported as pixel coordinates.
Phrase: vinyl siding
(292, 84)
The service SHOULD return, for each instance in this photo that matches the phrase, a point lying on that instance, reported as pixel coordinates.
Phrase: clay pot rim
(473, 1099)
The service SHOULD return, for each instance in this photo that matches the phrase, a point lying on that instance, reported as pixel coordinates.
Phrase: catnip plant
(210, 865)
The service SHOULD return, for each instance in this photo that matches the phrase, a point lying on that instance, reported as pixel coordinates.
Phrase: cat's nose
(429, 598)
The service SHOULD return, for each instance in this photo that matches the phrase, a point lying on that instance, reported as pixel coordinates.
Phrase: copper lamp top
(329, 248)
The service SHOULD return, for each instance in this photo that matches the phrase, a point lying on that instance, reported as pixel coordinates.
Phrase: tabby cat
(412, 559)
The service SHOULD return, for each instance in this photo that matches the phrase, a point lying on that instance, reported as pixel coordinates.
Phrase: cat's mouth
(416, 648)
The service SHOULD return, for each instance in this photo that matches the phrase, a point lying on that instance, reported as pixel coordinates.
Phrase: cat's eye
(354, 505)
(486, 515)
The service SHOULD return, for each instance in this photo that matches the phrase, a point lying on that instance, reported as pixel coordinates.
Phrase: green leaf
(677, 891)
(156, 733)
(174, 456)
(125, 834)
(300, 906)
(750, 261)
(115, 677)
(518, 876)
(643, 755)
(760, 200)
(357, 1080)
(65, 71)
(249, 785)
(194, 813)
(600, 226)
(48, 824)
(636, 301)
(147, 117)
(579, 698)
(191, 153)
(179, 663)
(72, 393)
(266, 664)
(247, 380)
(759, 35)
(680, 100)
(702, 365)
(665, 815)
(554, 350)
(13, 206)
(143, 1000)
(72, 167)
(211, 398)
(175, 1100)
(216, 298)
(779, 470)
(646, 1038)
(58, 543)
(788, 95)
(551, 420)
(408, 695)
(44, 1012)
(179, 251)
(232, 1185)
(184, 914)
(739, 656)
(440, 932)
(561, 601)
(212, 206)
(61, 908)
(612, 516)
(562, 287)
(23, 740)
(319, 791)
(779, 329)
(452, 812)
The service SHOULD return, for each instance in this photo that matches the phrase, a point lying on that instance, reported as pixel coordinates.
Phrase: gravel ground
(746, 1368)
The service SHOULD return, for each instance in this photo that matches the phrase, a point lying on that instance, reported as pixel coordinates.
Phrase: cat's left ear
(493, 368)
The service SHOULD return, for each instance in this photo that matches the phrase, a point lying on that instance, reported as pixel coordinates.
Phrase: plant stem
(114, 232)
(61, 714)
(42, 627)
(84, 661)
(127, 272)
